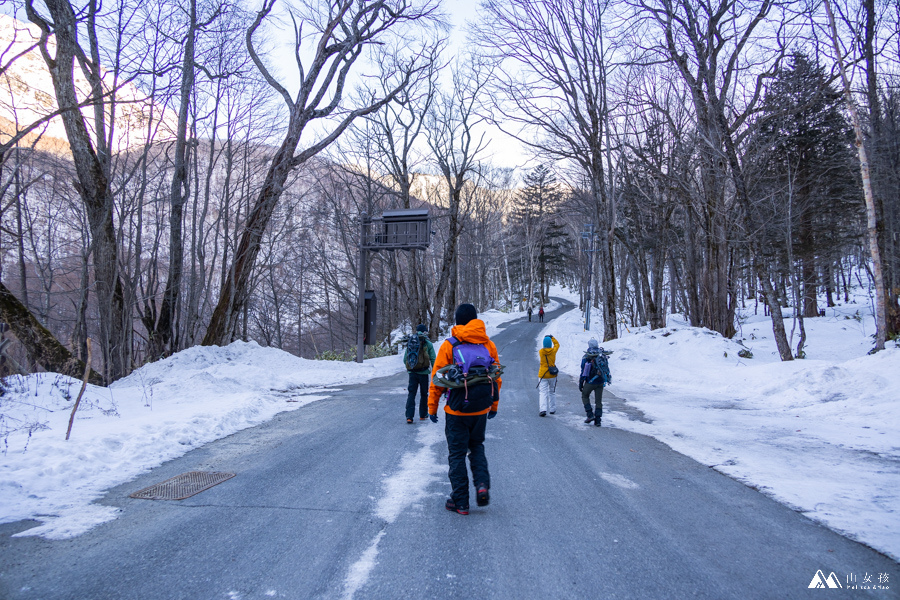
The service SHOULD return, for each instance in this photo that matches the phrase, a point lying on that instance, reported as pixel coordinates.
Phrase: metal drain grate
(182, 486)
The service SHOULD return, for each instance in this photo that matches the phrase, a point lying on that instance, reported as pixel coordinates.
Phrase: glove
(492, 414)
(433, 418)
(581, 384)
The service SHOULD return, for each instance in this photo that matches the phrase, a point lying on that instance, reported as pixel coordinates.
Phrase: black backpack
(417, 358)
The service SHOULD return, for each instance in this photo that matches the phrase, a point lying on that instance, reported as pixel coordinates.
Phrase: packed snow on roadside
(158, 413)
(819, 435)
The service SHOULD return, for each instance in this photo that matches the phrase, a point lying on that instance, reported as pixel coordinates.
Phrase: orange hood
(472, 332)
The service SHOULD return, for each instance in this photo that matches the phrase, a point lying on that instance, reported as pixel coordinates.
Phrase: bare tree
(343, 30)
(92, 154)
(871, 220)
(456, 144)
(554, 95)
(707, 44)
(162, 334)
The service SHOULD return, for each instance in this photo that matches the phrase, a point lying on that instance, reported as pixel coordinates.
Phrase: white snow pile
(158, 413)
(820, 434)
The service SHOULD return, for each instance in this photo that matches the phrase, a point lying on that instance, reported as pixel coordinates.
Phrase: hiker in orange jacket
(466, 412)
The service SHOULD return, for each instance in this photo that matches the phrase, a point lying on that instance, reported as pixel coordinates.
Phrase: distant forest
(169, 187)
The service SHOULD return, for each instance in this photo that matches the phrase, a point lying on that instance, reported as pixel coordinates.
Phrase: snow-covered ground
(158, 413)
(820, 435)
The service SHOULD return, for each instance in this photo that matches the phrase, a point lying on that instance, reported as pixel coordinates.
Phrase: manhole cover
(182, 486)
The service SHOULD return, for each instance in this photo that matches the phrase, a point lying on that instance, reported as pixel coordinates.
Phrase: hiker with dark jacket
(592, 380)
(529, 312)
(547, 374)
(419, 375)
(466, 411)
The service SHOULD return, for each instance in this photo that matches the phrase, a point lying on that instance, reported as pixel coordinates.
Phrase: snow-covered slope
(820, 434)
(27, 95)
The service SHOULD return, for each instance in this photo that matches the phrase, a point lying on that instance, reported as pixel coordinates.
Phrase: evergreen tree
(807, 190)
(540, 238)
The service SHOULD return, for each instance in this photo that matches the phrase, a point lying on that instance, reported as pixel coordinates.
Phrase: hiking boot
(543, 413)
(483, 498)
(423, 418)
(597, 422)
(552, 412)
(452, 507)
(409, 421)
(589, 419)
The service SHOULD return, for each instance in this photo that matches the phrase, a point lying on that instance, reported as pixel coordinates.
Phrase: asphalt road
(343, 499)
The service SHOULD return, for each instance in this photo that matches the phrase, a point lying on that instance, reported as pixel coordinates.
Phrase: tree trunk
(40, 344)
(92, 169)
(161, 336)
(774, 304)
(883, 226)
(810, 307)
(871, 220)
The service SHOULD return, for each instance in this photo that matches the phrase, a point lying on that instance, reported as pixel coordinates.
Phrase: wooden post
(361, 286)
(84, 382)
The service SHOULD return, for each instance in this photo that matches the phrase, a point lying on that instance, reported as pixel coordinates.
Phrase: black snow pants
(465, 435)
(598, 400)
(418, 382)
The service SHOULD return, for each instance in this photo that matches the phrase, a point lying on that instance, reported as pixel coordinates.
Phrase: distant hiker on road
(541, 314)
(418, 358)
(529, 313)
(547, 373)
(594, 375)
(467, 370)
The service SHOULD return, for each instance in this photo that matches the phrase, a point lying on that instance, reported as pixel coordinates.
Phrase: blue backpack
(597, 367)
(471, 358)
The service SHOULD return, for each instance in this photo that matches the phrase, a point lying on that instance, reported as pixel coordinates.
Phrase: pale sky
(503, 151)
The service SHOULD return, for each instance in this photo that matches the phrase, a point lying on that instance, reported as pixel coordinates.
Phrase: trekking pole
(539, 380)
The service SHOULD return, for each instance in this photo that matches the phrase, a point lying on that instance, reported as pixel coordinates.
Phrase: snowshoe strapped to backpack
(596, 368)
(417, 358)
(471, 378)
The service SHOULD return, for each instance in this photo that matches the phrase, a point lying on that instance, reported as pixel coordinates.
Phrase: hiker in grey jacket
(419, 378)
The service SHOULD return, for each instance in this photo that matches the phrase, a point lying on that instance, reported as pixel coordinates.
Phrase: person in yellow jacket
(547, 373)
(466, 411)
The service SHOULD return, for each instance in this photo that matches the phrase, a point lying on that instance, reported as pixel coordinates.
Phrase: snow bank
(819, 434)
(158, 413)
